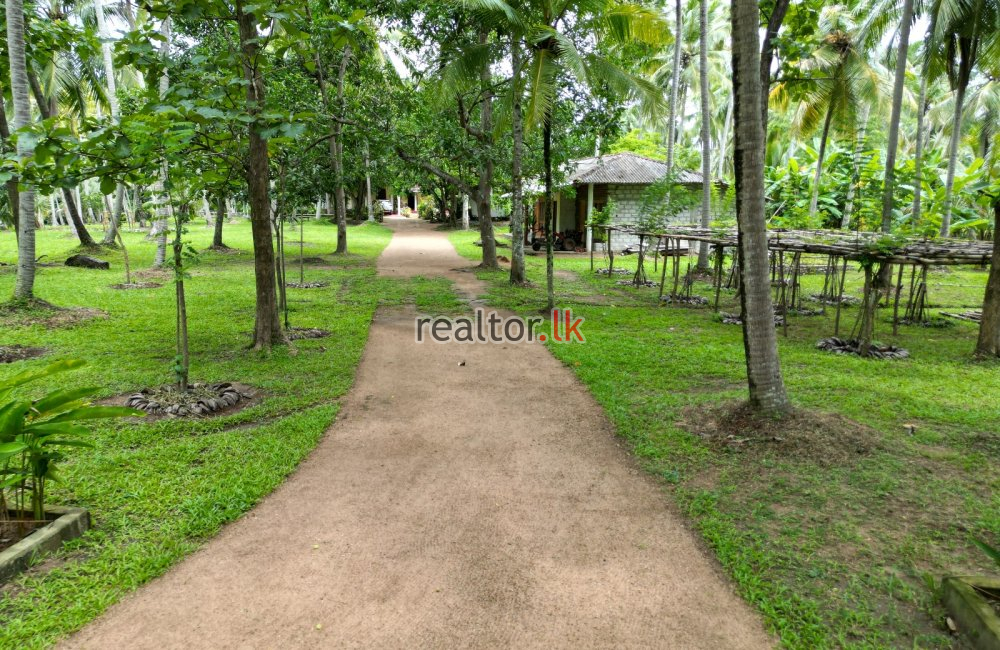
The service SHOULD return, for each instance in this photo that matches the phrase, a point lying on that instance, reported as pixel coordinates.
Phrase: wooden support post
(720, 255)
(840, 298)
(677, 267)
(663, 271)
(611, 254)
(895, 302)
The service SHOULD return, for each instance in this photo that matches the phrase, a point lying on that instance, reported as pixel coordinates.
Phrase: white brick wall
(628, 202)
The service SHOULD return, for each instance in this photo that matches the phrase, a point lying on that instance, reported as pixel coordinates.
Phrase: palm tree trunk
(766, 387)
(674, 83)
(267, 326)
(988, 344)
(706, 137)
(889, 187)
(12, 195)
(965, 66)
(163, 208)
(549, 221)
(814, 201)
(517, 275)
(47, 111)
(767, 56)
(109, 73)
(859, 144)
(25, 282)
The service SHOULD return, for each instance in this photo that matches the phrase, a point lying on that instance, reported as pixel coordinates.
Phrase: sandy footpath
(484, 505)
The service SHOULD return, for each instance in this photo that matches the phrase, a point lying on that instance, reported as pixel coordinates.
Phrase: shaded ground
(435, 515)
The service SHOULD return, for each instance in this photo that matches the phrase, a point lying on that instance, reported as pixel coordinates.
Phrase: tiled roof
(626, 169)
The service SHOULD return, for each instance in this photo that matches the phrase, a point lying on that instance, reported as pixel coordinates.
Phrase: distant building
(621, 178)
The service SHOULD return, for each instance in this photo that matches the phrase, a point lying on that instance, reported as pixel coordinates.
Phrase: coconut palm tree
(706, 141)
(767, 388)
(563, 46)
(902, 49)
(964, 33)
(845, 77)
(25, 283)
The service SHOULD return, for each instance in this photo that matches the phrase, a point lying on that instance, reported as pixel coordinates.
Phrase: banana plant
(35, 433)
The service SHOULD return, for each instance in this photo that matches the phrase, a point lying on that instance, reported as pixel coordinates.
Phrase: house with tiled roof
(592, 182)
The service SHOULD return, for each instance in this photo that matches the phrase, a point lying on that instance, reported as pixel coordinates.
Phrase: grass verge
(835, 551)
(158, 489)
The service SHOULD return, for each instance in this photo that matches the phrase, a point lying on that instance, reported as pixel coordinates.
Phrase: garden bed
(63, 524)
(199, 400)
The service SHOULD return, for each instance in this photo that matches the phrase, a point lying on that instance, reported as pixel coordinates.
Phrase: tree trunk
(517, 274)
(918, 158)
(964, 70)
(675, 77)
(220, 220)
(183, 360)
(767, 389)
(338, 157)
(12, 196)
(889, 188)
(486, 168)
(72, 209)
(845, 220)
(814, 200)
(549, 219)
(267, 326)
(988, 345)
(109, 73)
(159, 230)
(774, 22)
(706, 134)
(25, 282)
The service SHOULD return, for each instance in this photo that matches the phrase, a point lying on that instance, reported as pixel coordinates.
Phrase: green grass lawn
(833, 548)
(156, 490)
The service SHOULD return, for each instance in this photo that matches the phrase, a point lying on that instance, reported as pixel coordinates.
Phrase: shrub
(35, 434)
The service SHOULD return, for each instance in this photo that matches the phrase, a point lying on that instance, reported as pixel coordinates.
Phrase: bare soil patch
(13, 530)
(42, 313)
(823, 438)
(12, 353)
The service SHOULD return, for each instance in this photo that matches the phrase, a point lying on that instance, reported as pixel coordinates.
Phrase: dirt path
(435, 515)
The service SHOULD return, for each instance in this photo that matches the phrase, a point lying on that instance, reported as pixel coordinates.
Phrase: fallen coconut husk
(851, 346)
(307, 285)
(297, 333)
(690, 301)
(735, 319)
(632, 283)
(828, 300)
(136, 285)
(198, 400)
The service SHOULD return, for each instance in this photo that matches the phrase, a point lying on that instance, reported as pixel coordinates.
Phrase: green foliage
(663, 201)
(34, 434)
(992, 553)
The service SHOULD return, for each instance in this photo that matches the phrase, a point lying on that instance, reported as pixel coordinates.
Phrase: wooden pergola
(787, 248)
